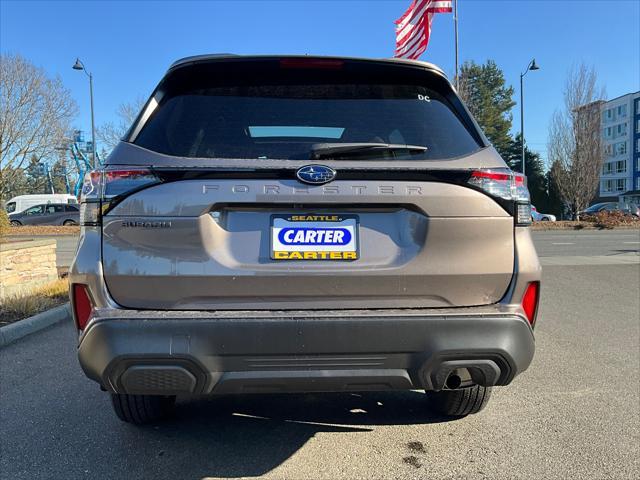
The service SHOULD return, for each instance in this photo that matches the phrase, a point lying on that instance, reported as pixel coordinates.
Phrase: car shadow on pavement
(250, 435)
(619, 251)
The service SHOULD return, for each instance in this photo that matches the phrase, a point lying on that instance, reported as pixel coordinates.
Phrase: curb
(17, 330)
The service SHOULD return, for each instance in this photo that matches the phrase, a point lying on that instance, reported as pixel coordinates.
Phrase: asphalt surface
(553, 243)
(574, 414)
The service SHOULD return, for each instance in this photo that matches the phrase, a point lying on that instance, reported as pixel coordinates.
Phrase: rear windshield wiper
(327, 150)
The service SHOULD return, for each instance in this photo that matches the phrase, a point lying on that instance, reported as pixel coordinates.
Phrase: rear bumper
(241, 352)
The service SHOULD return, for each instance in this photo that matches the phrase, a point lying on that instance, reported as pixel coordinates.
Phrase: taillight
(82, 306)
(530, 301)
(508, 185)
(118, 182)
(101, 186)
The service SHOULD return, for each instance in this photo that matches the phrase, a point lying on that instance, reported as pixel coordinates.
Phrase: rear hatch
(264, 183)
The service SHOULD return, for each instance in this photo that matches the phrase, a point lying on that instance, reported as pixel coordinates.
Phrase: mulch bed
(27, 230)
(582, 225)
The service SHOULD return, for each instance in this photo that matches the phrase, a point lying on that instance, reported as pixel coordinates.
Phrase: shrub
(4, 222)
(26, 304)
(609, 220)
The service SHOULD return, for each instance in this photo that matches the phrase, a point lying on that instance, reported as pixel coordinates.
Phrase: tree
(36, 178)
(35, 113)
(58, 174)
(555, 205)
(483, 89)
(18, 186)
(4, 223)
(110, 133)
(575, 146)
(534, 168)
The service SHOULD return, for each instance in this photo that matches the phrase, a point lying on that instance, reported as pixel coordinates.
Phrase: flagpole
(455, 20)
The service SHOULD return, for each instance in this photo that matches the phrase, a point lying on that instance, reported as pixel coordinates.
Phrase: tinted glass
(596, 207)
(35, 210)
(71, 208)
(285, 121)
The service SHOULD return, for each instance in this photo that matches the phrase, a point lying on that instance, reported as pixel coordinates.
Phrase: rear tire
(69, 223)
(460, 403)
(142, 409)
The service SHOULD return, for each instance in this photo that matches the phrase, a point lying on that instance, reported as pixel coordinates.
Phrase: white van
(22, 202)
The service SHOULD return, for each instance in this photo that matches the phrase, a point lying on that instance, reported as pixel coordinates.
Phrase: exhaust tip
(453, 381)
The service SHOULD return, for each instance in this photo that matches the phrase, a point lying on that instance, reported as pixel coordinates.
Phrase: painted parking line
(631, 242)
(627, 259)
(563, 243)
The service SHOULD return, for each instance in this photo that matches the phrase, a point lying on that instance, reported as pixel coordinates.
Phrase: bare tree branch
(35, 114)
(575, 148)
(109, 134)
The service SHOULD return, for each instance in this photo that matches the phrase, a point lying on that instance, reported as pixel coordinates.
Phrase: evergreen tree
(58, 178)
(36, 177)
(484, 90)
(16, 186)
(555, 206)
(534, 169)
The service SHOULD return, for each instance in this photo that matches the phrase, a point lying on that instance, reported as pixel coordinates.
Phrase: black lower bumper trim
(161, 355)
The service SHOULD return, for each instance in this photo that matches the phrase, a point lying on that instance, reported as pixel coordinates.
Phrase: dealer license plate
(314, 237)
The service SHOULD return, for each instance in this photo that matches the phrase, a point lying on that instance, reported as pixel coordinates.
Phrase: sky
(128, 45)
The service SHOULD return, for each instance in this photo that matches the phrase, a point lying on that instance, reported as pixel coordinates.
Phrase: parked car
(302, 224)
(22, 202)
(626, 208)
(47, 214)
(541, 217)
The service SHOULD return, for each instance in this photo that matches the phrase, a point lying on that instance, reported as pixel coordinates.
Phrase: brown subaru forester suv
(303, 224)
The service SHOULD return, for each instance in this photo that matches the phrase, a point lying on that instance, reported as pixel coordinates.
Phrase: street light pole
(93, 125)
(522, 118)
(80, 66)
(531, 66)
(455, 24)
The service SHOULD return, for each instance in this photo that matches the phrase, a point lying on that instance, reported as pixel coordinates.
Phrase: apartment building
(620, 178)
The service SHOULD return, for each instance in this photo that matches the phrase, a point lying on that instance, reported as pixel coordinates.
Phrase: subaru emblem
(316, 174)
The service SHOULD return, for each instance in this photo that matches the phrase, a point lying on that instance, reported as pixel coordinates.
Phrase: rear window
(285, 121)
(54, 208)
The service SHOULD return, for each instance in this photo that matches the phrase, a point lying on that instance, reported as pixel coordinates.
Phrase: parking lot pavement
(573, 414)
(557, 243)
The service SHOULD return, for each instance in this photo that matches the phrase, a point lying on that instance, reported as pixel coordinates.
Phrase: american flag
(414, 26)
